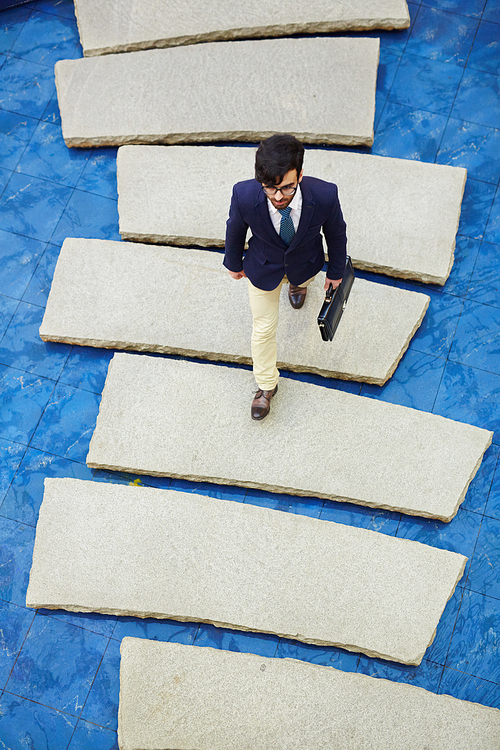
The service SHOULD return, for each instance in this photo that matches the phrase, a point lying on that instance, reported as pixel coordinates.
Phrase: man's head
(278, 164)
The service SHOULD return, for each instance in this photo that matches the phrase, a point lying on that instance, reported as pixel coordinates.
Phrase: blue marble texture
(466, 255)
(45, 39)
(472, 8)
(236, 640)
(24, 398)
(8, 306)
(415, 382)
(475, 147)
(435, 335)
(438, 649)
(459, 535)
(441, 35)
(485, 54)
(67, 423)
(88, 215)
(47, 156)
(5, 176)
(475, 646)
(16, 624)
(482, 485)
(99, 173)
(22, 499)
(337, 658)
(492, 231)
(427, 675)
(13, 21)
(437, 101)
(32, 207)
(38, 289)
(15, 133)
(19, 259)
(22, 346)
(25, 87)
(478, 98)
(51, 113)
(397, 40)
(11, 455)
(476, 342)
(70, 651)
(493, 502)
(25, 723)
(483, 574)
(101, 706)
(437, 84)
(407, 133)
(468, 394)
(491, 11)
(16, 550)
(86, 368)
(476, 207)
(87, 735)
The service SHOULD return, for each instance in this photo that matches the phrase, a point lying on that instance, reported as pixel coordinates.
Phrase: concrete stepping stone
(402, 216)
(182, 419)
(178, 696)
(159, 553)
(124, 295)
(222, 91)
(117, 27)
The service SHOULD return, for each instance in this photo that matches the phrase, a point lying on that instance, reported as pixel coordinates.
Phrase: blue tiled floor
(437, 101)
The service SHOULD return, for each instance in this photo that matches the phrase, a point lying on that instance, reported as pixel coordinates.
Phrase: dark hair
(276, 156)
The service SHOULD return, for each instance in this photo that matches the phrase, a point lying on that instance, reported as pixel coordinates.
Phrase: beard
(286, 200)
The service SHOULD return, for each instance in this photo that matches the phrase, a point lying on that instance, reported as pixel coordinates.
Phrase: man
(285, 212)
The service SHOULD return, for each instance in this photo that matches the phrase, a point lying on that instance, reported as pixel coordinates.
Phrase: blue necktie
(287, 230)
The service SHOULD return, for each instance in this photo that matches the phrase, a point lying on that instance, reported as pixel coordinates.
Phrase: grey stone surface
(183, 419)
(124, 295)
(222, 91)
(114, 26)
(182, 697)
(402, 216)
(160, 553)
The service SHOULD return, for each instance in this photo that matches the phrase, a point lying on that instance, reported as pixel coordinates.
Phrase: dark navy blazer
(268, 258)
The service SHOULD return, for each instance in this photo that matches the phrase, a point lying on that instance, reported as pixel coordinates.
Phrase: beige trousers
(264, 306)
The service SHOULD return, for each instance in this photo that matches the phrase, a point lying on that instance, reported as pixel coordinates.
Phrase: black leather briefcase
(334, 304)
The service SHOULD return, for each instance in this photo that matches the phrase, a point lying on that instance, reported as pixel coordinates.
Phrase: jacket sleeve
(236, 232)
(334, 230)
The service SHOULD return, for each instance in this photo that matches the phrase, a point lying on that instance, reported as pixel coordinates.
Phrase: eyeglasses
(284, 191)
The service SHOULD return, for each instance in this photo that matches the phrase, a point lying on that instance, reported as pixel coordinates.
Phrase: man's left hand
(334, 282)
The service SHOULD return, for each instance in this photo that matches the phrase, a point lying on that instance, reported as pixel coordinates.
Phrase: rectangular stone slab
(182, 419)
(402, 216)
(160, 553)
(222, 91)
(183, 697)
(124, 295)
(115, 26)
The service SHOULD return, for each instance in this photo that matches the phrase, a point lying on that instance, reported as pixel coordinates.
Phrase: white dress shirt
(295, 205)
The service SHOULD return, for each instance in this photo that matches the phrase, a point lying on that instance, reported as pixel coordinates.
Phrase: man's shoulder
(247, 188)
(318, 186)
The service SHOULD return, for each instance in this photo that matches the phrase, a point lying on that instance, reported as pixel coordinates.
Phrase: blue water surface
(437, 101)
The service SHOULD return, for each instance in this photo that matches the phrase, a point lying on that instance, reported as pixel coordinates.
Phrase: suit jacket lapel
(305, 215)
(263, 211)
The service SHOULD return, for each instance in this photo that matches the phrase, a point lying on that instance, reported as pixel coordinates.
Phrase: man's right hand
(237, 274)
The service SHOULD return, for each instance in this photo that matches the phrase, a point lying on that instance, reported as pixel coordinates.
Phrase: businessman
(285, 212)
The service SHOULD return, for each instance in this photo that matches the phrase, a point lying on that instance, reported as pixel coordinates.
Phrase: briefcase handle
(330, 292)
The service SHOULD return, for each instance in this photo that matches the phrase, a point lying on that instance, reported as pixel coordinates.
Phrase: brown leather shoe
(297, 296)
(261, 403)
